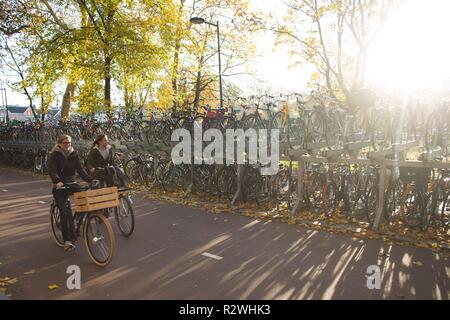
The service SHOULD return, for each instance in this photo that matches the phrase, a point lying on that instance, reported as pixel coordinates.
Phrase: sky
(273, 63)
(411, 51)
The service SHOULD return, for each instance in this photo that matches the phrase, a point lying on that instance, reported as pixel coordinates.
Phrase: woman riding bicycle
(64, 163)
(100, 158)
(100, 163)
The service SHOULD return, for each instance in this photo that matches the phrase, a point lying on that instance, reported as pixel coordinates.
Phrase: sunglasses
(67, 142)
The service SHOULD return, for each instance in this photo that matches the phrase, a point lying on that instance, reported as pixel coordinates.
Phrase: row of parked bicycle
(417, 197)
(301, 121)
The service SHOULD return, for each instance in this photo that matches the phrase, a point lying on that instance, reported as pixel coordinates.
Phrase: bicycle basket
(93, 200)
(214, 114)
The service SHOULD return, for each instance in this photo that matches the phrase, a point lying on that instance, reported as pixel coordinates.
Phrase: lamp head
(196, 20)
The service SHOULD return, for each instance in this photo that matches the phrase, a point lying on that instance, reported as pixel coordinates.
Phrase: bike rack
(431, 155)
(395, 149)
(308, 154)
(314, 148)
(374, 157)
(354, 148)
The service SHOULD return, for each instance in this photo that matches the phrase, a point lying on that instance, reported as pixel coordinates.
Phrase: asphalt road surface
(181, 253)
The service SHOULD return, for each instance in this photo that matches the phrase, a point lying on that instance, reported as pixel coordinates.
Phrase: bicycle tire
(89, 233)
(55, 223)
(125, 228)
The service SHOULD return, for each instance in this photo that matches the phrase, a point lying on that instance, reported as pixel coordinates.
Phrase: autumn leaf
(53, 286)
(7, 281)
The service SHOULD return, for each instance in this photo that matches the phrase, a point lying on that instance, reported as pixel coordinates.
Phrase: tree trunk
(197, 89)
(198, 81)
(362, 75)
(67, 100)
(108, 85)
(176, 56)
(43, 112)
(126, 97)
(31, 106)
(175, 74)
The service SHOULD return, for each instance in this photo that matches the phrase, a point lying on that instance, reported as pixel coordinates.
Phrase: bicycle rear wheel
(371, 202)
(124, 216)
(330, 199)
(434, 132)
(55, 223)
(414, 207)
(38, 163)
(134, 171)
(226, 182)
(99, 239)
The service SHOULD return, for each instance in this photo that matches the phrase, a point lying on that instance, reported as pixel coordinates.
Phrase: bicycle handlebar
(68, 185)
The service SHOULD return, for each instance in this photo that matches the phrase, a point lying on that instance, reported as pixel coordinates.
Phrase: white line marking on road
(42, 202)
(213, 256)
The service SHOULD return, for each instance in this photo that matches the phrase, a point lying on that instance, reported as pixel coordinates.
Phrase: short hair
(63, 137)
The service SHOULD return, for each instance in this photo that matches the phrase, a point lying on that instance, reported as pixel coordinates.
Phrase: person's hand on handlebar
(95, 184)
(59, 185)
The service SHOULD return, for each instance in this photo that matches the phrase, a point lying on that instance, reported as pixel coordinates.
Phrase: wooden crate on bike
(98, 199)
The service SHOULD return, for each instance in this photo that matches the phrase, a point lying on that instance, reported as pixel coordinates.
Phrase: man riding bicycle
(64, 163)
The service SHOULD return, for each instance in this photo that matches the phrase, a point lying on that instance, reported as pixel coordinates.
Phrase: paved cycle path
(177, 252)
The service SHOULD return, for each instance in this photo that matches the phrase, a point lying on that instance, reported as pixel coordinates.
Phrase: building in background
(19, 113)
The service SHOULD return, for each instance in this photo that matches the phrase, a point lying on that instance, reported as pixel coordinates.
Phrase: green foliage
(146, 49)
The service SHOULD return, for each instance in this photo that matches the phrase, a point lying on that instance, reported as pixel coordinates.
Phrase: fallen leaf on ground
(7, 281)
(53, 286)
(384, 255)
(418, 263)
(30, 272)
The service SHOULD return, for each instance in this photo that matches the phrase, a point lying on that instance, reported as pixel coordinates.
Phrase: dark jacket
(62, 167)
(96, 160)
(116, 177)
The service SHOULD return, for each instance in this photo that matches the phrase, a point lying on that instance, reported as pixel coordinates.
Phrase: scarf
(66, 153)
(104, 153)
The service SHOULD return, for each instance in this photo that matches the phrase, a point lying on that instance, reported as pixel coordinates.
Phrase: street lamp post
(198, 20)
(6, 106)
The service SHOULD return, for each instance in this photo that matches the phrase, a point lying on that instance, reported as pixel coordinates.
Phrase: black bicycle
(123, 213)
(97, 231)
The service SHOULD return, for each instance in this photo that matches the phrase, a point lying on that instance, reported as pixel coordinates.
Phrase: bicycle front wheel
(124, 216)
(99, 239)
